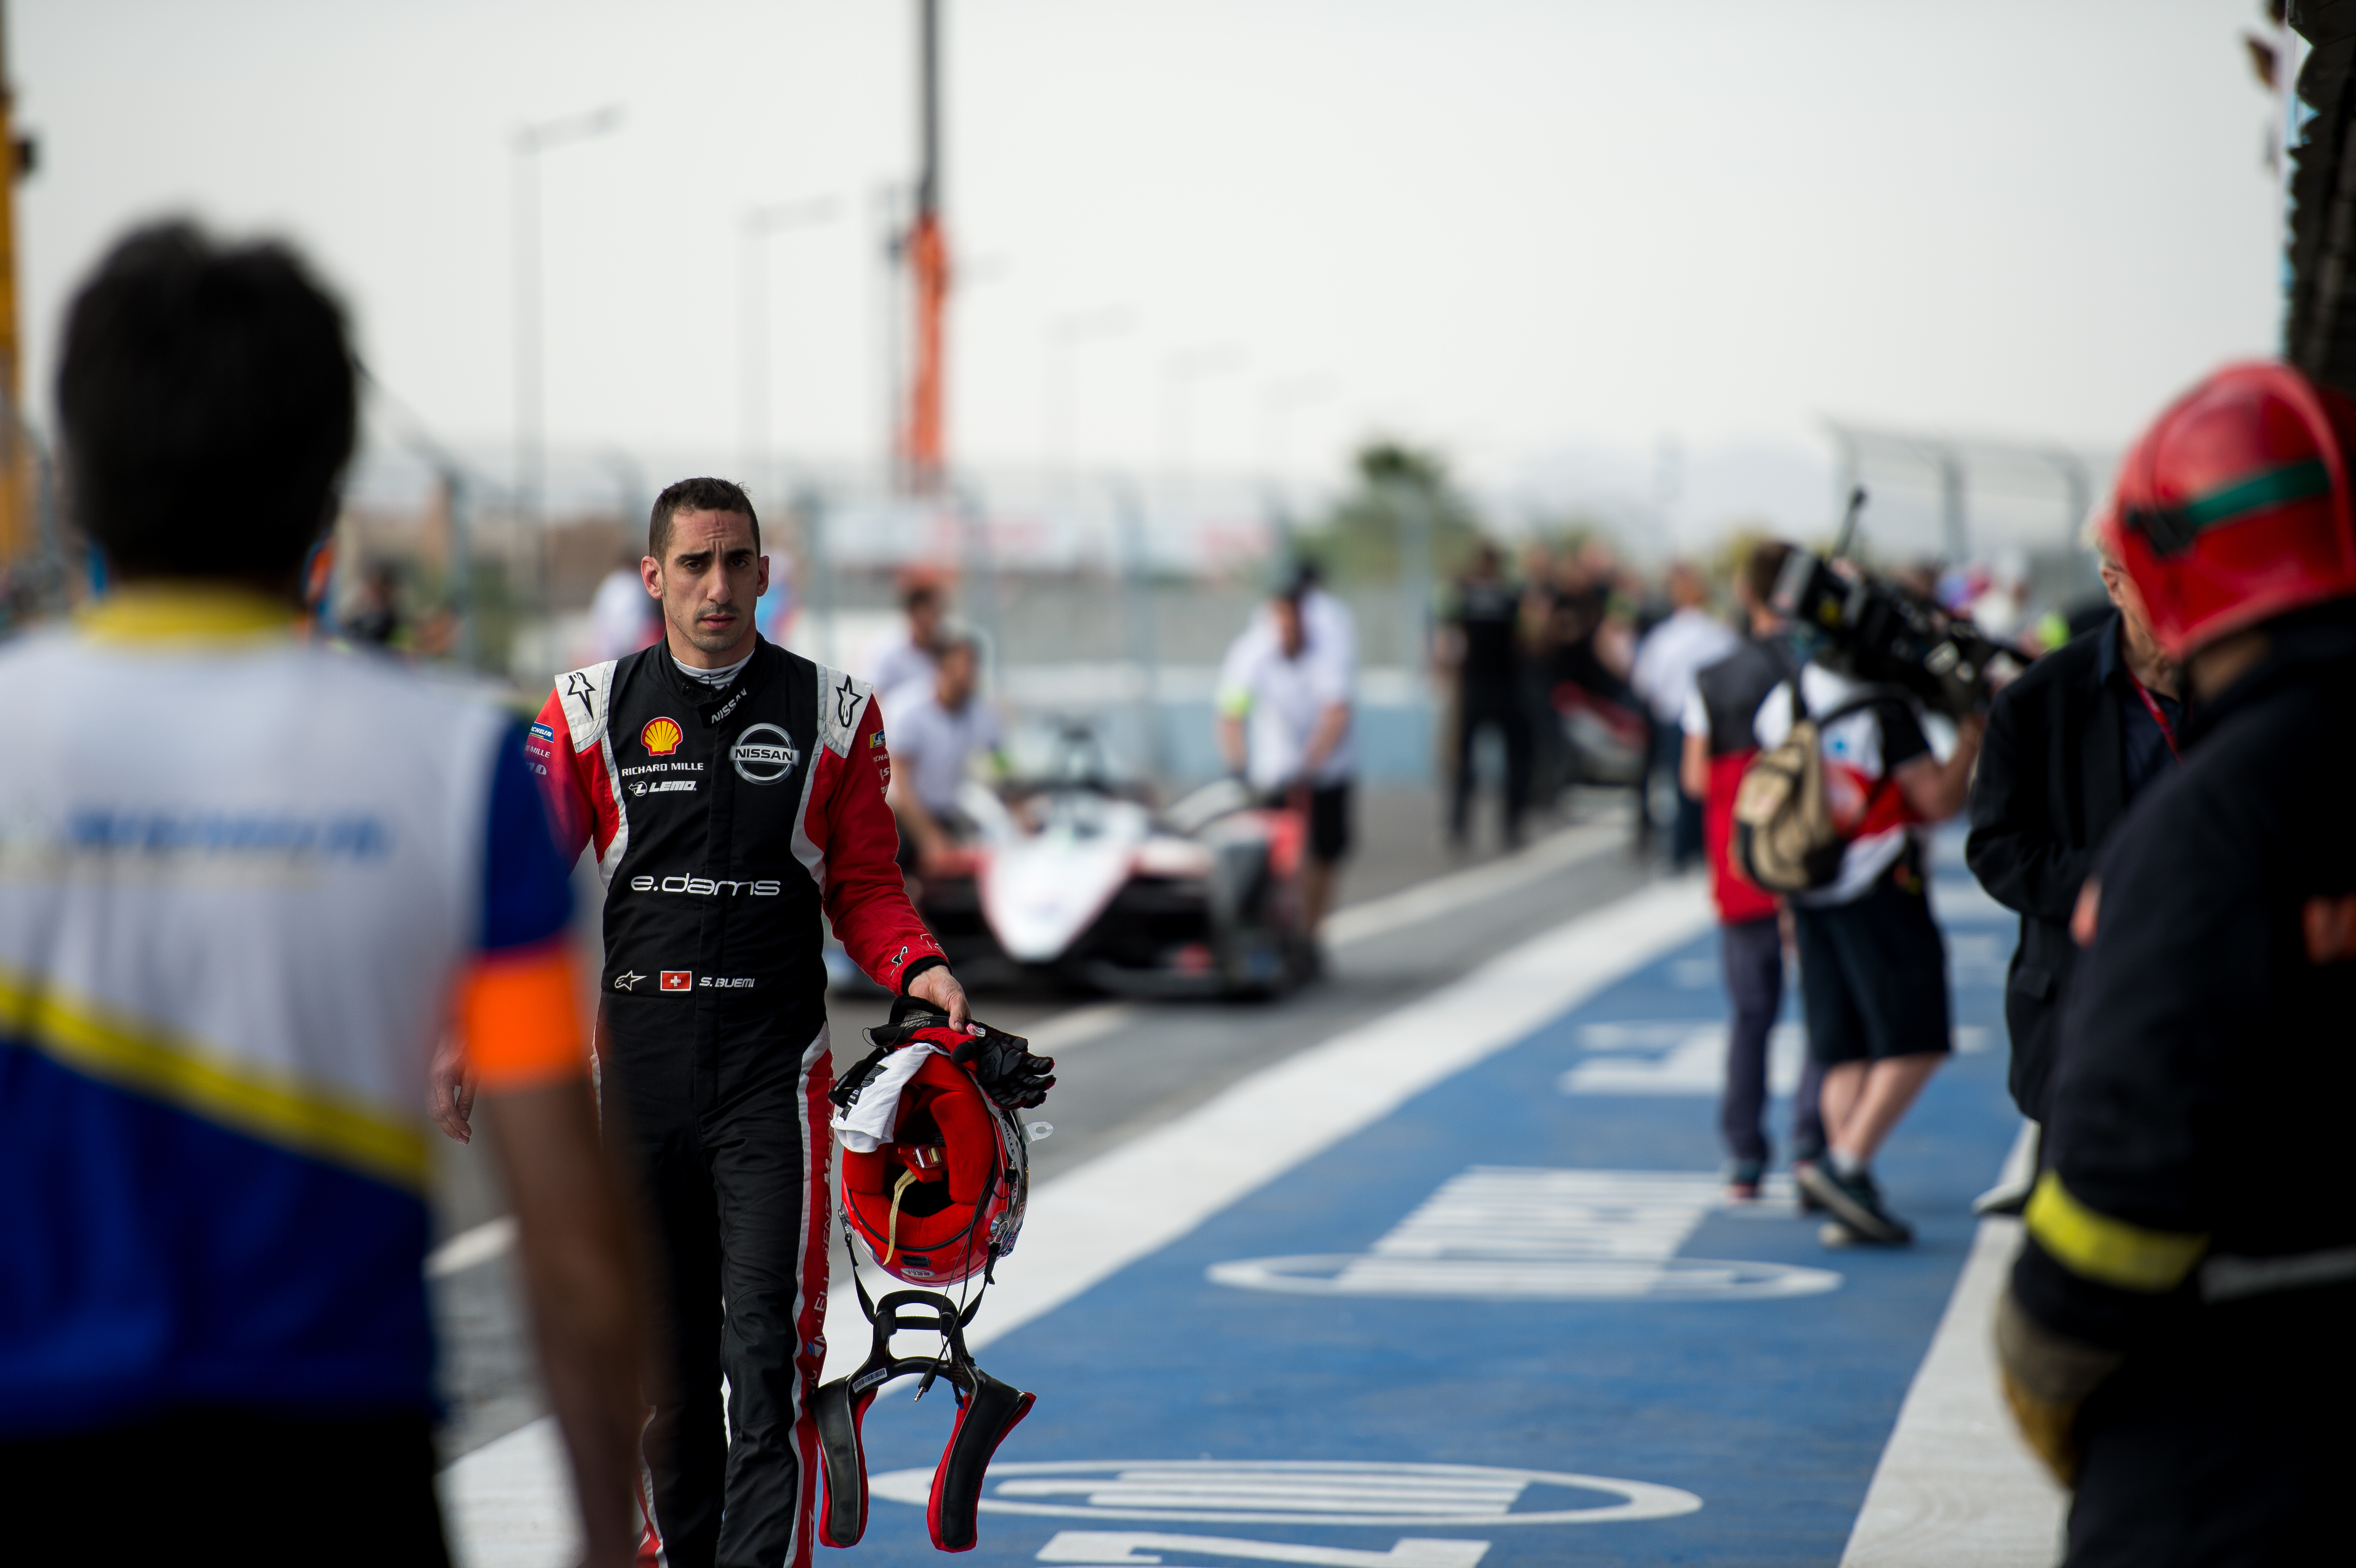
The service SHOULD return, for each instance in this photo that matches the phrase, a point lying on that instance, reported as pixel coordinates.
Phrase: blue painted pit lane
(1508, 1324)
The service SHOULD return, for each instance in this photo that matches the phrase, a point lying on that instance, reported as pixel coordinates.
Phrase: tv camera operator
(2175, 1340)
(2070, 745)
(1873, 966)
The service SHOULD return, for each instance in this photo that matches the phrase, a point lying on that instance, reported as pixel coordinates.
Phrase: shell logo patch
(661, 737)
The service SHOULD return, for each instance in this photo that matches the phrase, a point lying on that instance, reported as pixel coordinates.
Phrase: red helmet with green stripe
(2234, 507)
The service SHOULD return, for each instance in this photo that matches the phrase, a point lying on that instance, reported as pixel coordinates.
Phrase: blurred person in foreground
(1688, 637)
(1284, 725)
(2175, 1343)
(734, 795)
(936, 737)
(1720, 706)
(2070, 746)
(222, 978)
(1483, 648)
(1873, 966)
(910, 659)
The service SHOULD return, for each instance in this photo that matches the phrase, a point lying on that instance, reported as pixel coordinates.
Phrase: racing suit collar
(714, 705)
(185, 612)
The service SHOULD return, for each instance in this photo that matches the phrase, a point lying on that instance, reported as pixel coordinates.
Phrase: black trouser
(1873, 973)
(1668, 742)
(1752, 953)
(2226, 1446)
(737, 1199)
(1479, 707)
(227, 1486)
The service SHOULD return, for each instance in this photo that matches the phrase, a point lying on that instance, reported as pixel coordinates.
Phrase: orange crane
(922, 448)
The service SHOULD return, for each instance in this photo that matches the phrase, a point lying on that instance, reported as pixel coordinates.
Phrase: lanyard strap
(2151, 705)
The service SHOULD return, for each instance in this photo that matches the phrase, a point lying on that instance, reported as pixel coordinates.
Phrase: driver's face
(709, 580)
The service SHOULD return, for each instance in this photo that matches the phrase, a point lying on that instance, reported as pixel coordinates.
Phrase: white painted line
(1503, 1232)
(1080, 1026)
(509, 1504)
(1112, 1549)
(1349, 1493)
(467, 1248)
(1132, 1201)
(1457, 890)
(1956, 1487)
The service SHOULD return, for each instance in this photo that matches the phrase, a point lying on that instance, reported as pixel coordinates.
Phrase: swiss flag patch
(678, 980)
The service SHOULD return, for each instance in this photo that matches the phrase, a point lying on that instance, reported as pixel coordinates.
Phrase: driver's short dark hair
(207, 407)
(696, 495)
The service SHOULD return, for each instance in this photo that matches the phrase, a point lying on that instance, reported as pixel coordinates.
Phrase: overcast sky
(1547, 236)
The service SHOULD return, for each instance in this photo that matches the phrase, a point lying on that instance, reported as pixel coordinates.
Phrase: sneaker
(1856, 1203)
(1834, 1235)
(1743, 1182)
(1805, 1199)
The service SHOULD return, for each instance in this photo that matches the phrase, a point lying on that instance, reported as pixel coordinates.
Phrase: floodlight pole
(761, 223)
(922, 438)
(16, 500)
(531, 413)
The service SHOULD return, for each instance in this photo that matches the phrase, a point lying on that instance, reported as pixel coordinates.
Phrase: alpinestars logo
(629, 982)
(846, 703)
(577, 685)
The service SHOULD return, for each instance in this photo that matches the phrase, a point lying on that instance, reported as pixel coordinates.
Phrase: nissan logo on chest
(764, 754)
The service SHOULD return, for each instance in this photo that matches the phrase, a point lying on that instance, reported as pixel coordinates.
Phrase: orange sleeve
(520, 1015)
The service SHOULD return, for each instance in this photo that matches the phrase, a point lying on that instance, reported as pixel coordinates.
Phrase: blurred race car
(1073, 877)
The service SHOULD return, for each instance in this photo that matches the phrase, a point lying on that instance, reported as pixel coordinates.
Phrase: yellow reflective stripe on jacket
(2107, 1251)
(184, 613)
(247, 1097)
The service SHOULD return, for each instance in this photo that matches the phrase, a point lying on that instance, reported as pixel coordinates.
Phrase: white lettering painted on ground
(1676, 1056)
(1296, 1491)
(1117, 1549)
(1523, 1235)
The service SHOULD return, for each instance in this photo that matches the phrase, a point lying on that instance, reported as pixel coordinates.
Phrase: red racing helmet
(2233, 508)
(943, 1196)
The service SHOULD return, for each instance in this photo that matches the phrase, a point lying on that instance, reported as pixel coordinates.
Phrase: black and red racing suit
(726, 821)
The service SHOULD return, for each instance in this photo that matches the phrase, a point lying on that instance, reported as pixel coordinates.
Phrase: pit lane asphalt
(1413, 918)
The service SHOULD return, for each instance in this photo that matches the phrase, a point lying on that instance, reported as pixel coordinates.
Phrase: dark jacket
(2194, 1217)
(2199, 1111)
(2052, 784)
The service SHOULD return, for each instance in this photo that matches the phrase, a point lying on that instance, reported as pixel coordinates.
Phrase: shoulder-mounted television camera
(1877, 631)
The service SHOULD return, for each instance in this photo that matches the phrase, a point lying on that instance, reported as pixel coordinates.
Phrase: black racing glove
(1003, 1064)
(1000, 1062)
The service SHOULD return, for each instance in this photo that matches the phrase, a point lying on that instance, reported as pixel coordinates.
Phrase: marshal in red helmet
(2234, 507)
(2175, 1337)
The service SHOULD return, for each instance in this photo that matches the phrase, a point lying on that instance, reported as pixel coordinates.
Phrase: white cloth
(1853, 751)
(932, 746)
(902, 663)
(1280, 699)
(1693, 714)
(623, 617)
(1328, 628)
(868, 1123)
(1672, 654)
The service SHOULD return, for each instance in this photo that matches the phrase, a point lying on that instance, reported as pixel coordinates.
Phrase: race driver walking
(732, 791)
